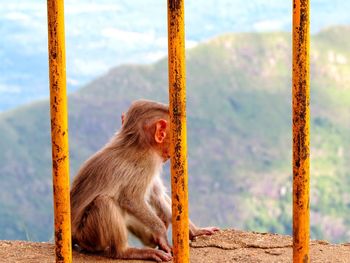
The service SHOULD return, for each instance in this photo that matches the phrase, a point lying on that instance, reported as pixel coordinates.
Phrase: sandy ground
(225, 246)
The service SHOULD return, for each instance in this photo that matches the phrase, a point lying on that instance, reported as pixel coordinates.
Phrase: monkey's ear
(123, 118)
(160, 133)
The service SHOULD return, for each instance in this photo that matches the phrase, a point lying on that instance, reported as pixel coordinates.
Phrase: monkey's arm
(161, 203)
(140, 209)
(194, 230)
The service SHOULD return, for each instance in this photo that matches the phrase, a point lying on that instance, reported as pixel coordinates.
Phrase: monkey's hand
(162, 242)
(206, 231)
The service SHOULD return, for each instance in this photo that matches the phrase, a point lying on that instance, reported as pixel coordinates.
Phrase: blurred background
(238, 103)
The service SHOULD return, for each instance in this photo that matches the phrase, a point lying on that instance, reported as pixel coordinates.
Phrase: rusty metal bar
(301, 130)
(178, 149)
(59, 130)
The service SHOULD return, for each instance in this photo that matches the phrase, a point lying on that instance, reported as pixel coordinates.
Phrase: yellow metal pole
(178, 149)
(59, 130)
(301, 131)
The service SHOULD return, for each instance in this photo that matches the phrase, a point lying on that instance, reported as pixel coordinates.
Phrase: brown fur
(119, 189)
(113, 189)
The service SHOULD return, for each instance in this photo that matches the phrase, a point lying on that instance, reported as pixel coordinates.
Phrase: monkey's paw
(205, 231)
(160, 256)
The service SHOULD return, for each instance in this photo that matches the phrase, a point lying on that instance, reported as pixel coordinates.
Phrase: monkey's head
(146, 125)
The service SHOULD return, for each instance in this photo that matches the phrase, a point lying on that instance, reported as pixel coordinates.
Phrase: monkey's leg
(103, 229)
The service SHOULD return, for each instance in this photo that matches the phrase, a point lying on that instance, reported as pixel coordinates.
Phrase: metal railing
(177, 108)
(59, 130)
(178, 148)
(301, 130)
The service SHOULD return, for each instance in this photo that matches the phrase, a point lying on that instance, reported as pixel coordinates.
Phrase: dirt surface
(225, 246)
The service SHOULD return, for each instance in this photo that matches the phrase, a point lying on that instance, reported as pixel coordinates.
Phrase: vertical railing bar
(177, 108)
(59, 130)
(301, 130)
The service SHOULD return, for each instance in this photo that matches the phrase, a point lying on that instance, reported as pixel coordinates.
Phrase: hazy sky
(104, 33)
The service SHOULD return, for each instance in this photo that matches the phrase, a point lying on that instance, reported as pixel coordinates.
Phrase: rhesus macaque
(119, 189)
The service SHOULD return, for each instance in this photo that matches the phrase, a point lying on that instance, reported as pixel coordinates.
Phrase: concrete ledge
(226, 246)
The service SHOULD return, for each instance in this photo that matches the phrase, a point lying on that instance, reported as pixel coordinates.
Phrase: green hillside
(239, 136)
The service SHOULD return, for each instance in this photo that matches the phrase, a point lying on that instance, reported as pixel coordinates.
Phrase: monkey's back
(109, 172)
(92, 179)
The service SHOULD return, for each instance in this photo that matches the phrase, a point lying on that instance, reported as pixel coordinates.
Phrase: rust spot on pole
(59, 130)
(301, 130)
(177, 108)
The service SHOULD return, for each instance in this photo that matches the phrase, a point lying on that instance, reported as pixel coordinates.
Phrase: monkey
(119, 189)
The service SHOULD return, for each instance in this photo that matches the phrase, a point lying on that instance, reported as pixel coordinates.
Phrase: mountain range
(239, 135)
